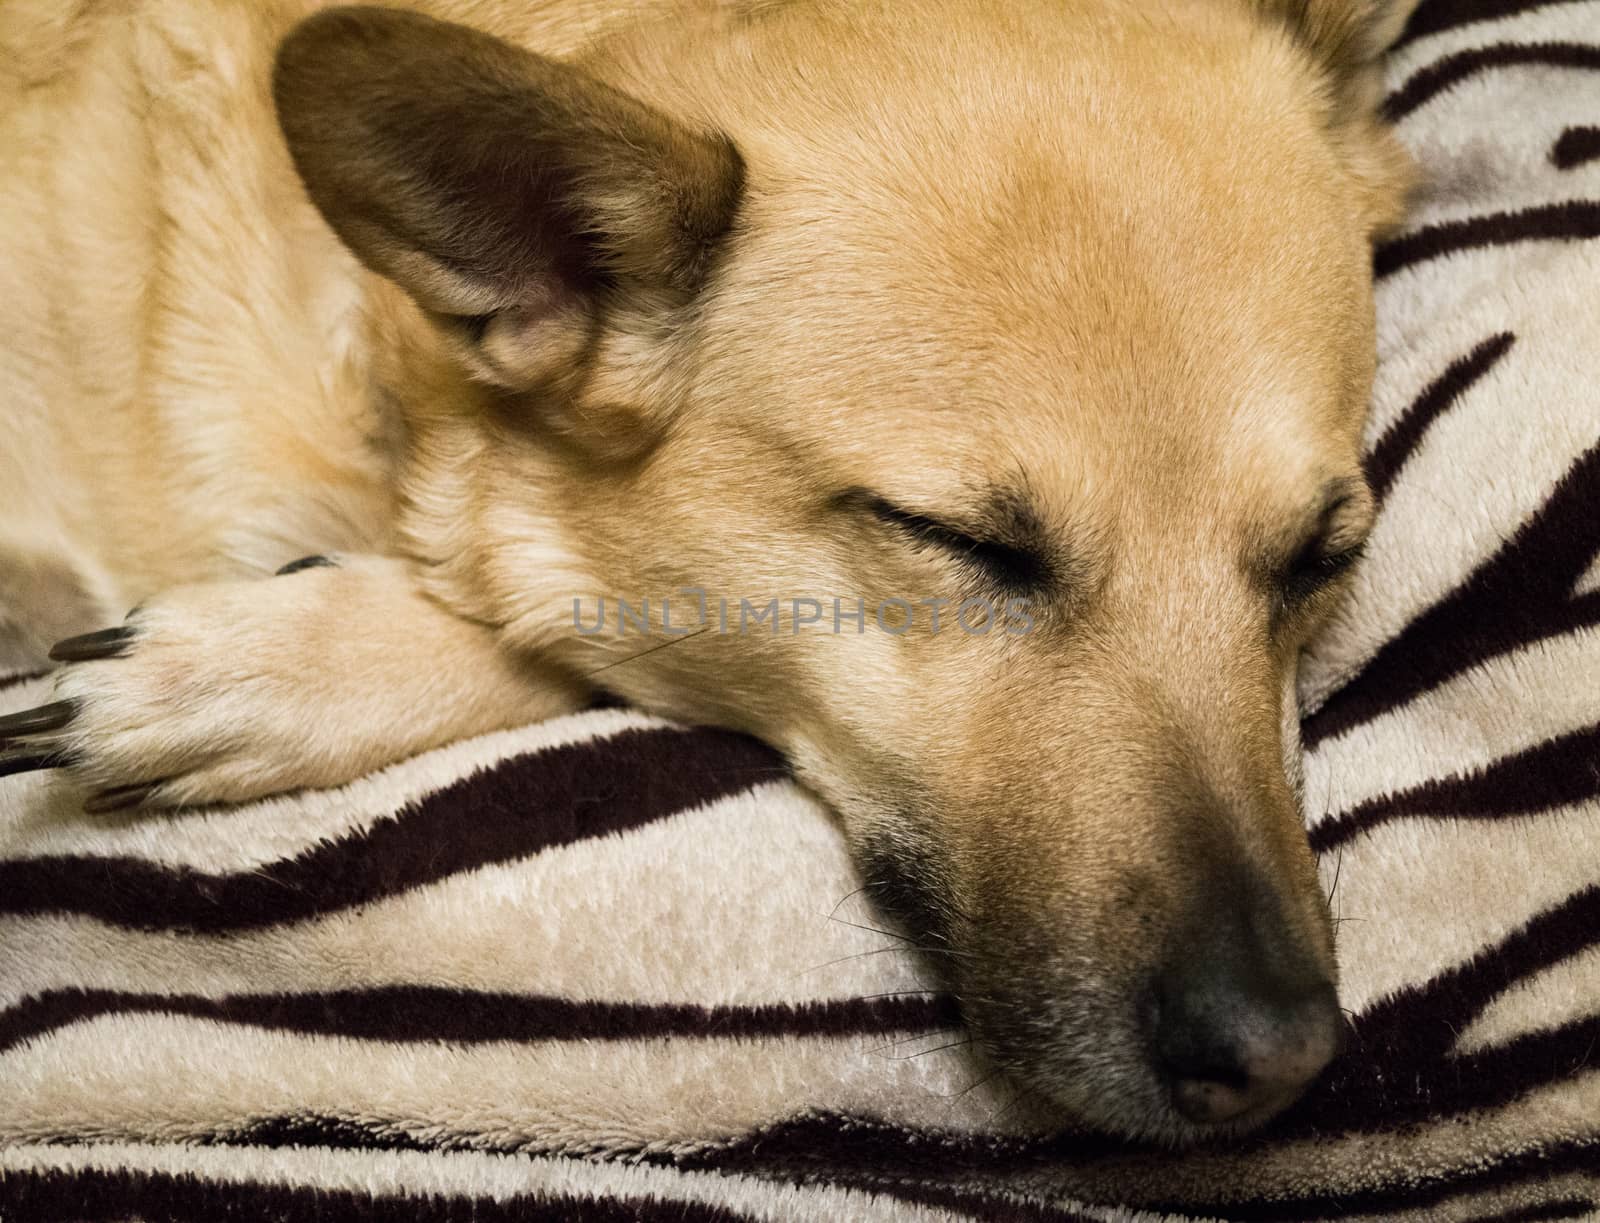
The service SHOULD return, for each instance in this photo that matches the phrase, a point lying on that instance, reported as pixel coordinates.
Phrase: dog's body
(1066, 300)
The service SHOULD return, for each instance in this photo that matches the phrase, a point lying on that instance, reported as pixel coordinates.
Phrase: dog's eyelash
(1013, 567)
(1313, 570)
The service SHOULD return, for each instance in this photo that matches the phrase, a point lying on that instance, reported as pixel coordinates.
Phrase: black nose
(1243, 1023)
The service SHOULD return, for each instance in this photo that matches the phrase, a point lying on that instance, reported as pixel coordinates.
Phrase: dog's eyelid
(1330, 541)
(1325, 555)
(895, 515)
(1335, 539)
(1319, 563)
(1014, 564)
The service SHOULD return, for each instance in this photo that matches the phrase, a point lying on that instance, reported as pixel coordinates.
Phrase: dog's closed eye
(1334, 544)
(1008, 565)
(1316, 567)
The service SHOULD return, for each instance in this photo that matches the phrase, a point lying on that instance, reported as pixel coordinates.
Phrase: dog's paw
(205, 694)
(232, 691)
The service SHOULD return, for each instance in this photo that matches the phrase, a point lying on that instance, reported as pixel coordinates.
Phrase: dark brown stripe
(1436, 16)
(343, 1134)
(1400, 1068)
(75, 1197)
(1419, 1092)
(22, 677)
(519, 808)
(1552, 774)
(1521, 595)
(878, 1157)
(359, 1135)
(346, 1134)
(437, 1014)
(857, 1150)
(1575, 147)
(1569, 220)
(1550, 1212)
(987, 1207)
(1392, 450)
(1446, 73)
(1484, 1175)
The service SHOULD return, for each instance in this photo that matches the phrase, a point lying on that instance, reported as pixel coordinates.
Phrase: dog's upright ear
(1347, 39)
(497, 187)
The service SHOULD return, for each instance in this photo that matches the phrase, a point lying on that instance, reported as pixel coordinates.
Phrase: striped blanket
(611, 968)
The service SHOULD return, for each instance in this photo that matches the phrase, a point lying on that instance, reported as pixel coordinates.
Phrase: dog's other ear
(1347, 39)
(487, 180)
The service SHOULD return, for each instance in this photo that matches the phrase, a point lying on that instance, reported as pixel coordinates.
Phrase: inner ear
(491, 183)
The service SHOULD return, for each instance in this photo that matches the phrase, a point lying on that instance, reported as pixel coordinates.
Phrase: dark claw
(107, 643)
(307, 562)
(119, 798)
(27, 762)
(35, 721)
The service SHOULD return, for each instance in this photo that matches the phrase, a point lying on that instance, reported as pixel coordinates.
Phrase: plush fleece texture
(608, 968)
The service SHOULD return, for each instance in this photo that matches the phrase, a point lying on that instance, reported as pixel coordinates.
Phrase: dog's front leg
(230, 691)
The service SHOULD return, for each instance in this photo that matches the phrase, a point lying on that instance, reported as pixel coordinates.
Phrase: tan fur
(1107, 258)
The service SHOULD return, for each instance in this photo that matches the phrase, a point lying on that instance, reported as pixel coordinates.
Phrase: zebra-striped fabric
(609, 968)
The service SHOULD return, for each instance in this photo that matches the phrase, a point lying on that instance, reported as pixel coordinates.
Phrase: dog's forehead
(1075, 366)
(1081, 276)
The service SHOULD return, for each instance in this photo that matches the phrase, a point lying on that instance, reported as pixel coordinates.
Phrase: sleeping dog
(1052, 314)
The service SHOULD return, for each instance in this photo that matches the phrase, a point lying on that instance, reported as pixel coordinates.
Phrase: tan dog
(1062, 306)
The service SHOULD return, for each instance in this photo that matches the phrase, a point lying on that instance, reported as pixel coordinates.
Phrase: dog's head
(1052, 320)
